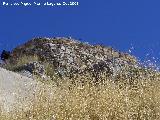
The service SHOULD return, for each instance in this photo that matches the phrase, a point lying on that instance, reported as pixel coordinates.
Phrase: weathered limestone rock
(69, 56)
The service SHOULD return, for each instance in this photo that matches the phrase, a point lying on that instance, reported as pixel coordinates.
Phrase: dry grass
(22, 61)
(118, 100)
(127, 97)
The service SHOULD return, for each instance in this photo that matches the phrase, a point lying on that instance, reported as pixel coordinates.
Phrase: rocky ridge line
(69, 56)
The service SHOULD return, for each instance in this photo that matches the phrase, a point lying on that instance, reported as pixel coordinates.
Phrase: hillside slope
(68, 57)
(13, 86)
(123, 89)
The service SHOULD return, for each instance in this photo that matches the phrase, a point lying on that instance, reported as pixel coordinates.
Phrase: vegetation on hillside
(133, 97)
(131, 94)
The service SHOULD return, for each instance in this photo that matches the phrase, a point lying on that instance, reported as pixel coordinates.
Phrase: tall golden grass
(134, 94)
(123, 99)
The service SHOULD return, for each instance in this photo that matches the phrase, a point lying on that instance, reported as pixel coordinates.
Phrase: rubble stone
(69, 56)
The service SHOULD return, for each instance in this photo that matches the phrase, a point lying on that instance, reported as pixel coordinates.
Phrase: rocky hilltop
(67, 57)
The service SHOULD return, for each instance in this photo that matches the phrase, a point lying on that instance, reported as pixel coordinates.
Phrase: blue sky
(122, 24)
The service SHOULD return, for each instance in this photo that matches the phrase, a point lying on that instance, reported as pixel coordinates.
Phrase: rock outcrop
(68, 56)
(31, 68)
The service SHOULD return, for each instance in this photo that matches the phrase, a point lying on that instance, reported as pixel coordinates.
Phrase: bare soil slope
(14, 88)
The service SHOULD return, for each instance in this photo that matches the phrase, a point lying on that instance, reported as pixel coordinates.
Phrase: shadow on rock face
(5, 55)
